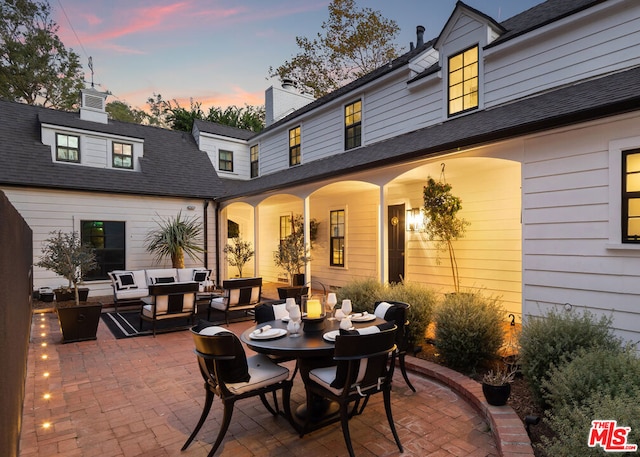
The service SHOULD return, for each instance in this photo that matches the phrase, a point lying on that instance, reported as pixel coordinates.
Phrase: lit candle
(314, 309)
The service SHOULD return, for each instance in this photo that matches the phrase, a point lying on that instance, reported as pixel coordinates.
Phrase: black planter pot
(66, 295)
(496, 395)
(79, 323)
(297, 279)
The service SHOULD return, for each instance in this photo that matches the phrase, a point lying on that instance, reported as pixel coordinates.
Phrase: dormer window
(122, 155)
(463, 81)
(225, 160)
(67, 148)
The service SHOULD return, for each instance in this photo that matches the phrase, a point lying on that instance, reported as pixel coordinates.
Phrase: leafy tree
(35, 66)
(238, 253)
(122, 111)
(353, 43)
(248, 118)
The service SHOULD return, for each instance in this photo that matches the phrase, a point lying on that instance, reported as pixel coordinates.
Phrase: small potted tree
(293, 253)
(65, 255)
(238, 253)
(441, 221)
(174, 237)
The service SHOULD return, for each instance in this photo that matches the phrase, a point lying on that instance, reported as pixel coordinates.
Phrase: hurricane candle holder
(313, 312)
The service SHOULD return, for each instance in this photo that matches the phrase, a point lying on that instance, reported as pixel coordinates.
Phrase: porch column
(383, 263)
(307, 236)
(256, 238)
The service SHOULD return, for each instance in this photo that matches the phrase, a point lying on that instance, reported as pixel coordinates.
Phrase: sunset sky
(218, 52)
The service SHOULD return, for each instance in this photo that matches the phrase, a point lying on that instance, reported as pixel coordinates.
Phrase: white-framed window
(255, 160)
(353, 125)
(67, 148)
(122, 155)
(294, 146)
(225, 160)
(337, 225)
(463, 81)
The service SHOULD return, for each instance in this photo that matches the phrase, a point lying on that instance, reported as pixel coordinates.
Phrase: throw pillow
(201, 275)
(125, 281)
(165, 280)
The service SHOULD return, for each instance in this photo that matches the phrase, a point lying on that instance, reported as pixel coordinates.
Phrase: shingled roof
(592, 99)
(172, 164)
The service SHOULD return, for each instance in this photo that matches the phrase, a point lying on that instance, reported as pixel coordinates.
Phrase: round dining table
(311, 350)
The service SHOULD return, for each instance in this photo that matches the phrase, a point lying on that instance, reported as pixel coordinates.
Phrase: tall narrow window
(122, 155)
(67, 148)
(631, 196)
(294, 146)
(253, 153)
(107, 238)
(225, 160)
(285, 227)
(336, 228)
(463, 81)
(353, 125)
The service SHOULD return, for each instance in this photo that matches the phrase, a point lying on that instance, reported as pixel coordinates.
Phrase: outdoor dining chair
(230, 374)
(397, 311)
(365, 365)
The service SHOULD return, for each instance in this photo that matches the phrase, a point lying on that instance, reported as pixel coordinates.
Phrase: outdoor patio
(142, 396)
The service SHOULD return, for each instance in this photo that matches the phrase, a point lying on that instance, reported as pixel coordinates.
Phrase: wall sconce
(191, 208)
(414, 220)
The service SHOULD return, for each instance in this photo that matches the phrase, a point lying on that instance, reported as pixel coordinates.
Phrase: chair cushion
(125, 280)
(236, 370)
(219, 303)
(381, 309)
(263, 372)
(280, 311)
(326, 376)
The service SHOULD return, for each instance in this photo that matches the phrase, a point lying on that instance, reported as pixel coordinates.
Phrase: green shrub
(468, 330)
(422, 300)
(572, 423)
(363, 293)
(546, 341)
(605, 371)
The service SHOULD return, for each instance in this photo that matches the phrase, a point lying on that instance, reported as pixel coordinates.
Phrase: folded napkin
(261, 330)
(363, 314)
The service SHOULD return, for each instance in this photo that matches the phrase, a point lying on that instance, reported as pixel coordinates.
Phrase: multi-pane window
(285, 227)
(336, 238)
(353, 125)
(225, 160)
(631, 196)
(253, 153)
(294, 146)
(122, 155)
(463, 81)
(107, 238)
(67, 148)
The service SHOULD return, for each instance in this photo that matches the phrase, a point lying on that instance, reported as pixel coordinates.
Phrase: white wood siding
(50, 210)
(566, 226)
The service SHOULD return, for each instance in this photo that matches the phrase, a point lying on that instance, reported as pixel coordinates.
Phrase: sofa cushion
(152, 274)
(125, 280)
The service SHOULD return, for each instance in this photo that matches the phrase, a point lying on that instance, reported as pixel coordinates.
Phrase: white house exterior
(536, 159)
(534, 121)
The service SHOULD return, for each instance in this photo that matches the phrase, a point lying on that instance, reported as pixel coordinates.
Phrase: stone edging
(507, 428)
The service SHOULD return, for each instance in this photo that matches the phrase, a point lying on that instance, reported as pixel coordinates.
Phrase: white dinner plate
(331, 336)
(363, 317)
(268, 334)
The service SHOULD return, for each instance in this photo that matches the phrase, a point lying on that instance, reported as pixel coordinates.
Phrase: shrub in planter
(598, 370)
(468, 330)
(571, 423)
(547, 341)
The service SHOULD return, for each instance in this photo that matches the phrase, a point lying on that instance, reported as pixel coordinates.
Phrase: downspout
(206, 234)
(217, 223)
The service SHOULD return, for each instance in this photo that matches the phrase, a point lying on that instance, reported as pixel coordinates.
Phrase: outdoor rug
(125, 324)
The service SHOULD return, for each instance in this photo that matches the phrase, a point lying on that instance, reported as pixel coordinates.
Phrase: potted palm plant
(238, 253)
(442, 224)
(65, 255)
(174, 237)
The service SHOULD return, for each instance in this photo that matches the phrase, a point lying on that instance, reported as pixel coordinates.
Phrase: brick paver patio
(142, 397)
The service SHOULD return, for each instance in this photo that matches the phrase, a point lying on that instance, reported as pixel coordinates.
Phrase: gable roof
(172, 164)
(593, 99)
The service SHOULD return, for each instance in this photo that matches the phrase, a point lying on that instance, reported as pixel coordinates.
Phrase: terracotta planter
(496, 395)
(79, 323)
